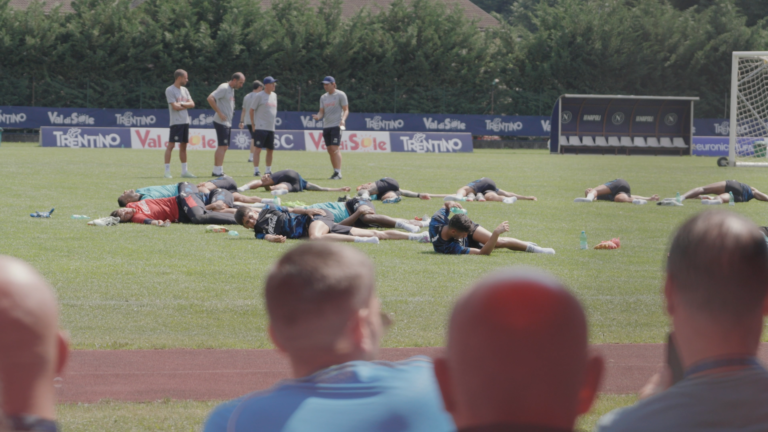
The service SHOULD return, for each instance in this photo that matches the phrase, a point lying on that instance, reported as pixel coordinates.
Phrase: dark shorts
(352, 206)
(616, 187)
(225, 182)
(483, 185)
(264, 139)
(471, 242)
(332, 136)
(222, 195)
(222, 134)
(179, 134)
(192, 208)
(741, 192)
(291, 178)
(334, 228)
(385, 185)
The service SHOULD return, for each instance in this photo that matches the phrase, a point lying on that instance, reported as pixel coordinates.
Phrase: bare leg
(634, 197)
(316, 188)
(503, 193)
(245, 199)
(252, 149)
(256, 156)
(388, 235)
(253, 185)
(624, 198)
(759, 195)
(464, 191)
(482, 235)
(335, 153)
(379, 220)
(269, 157)
(169, 152)
(182, 152)
(218, 157)
(593, 193)
(278, 187)
(714, 188)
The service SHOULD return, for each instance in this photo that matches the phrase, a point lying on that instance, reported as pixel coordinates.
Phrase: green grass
(179, 416)
(135, 286)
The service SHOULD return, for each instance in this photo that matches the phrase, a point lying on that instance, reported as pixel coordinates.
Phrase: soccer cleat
(480, 197)
(257, 174)
(278, 192)
(509, 200)
(394, 200)
(582, 200)
(669, 202)
(425, 238)
(213, 174)
(105, 221)
(639, 201)
(39, 214)
(188, 175)
(335, 176)
(250, 159)
(168, 175)
(344, 198)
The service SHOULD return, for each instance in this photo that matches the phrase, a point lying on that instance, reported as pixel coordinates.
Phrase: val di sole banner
(141, 138)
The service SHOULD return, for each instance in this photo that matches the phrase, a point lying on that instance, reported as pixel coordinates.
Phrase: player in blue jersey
(485, 190)
(722, 190)
(288, 180)
(172, 190)
(275, 224)
(324, 314)
(388, 190)
(342, 211)
(458, 235)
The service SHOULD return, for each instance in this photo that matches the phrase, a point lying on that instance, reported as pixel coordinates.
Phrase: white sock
(269, 169)
(452, 198)
(425, 223)
(639, 201)
(417, 237)
(256, 170)
(364, 195)
(509, 200)
(242, 188)
(168, 168)
(711, 202)
(471, 197)
(337, 171)
(268, 200)
(183, 168)
(406, 226)
(374, 240)
(218, 170)
(533, 248)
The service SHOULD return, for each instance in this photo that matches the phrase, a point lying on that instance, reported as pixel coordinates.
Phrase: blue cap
(329, 80)
(269, 80)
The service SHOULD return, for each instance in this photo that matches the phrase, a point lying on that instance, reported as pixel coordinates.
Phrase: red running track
(225, 374)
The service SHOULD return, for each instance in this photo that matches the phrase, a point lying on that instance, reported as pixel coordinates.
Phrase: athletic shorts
(385, 185)
(225, 182)
(189, 201)
(222, 195)
(483, 185)
(332, 136)
(291, 178)
(741, 192)
(352, 206)
(616, 187)
(222, 134)
(471, 242)
(179, 134)
(334, 228)
(264, 139)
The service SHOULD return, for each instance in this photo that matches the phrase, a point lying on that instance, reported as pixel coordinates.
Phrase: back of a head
(718, 262)
(312, 292)
(517, 350)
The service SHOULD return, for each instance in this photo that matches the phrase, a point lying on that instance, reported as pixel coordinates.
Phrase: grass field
(140, 287)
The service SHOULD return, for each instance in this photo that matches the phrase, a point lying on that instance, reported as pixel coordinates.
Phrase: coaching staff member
(222, 100)
(334, 109)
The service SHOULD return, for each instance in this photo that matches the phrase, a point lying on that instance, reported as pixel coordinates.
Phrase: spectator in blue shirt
(324, 314)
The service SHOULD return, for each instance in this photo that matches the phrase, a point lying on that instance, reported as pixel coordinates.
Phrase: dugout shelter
(628, 125)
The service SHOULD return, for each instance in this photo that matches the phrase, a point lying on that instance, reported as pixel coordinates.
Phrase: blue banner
(417, 142)
(76, 137)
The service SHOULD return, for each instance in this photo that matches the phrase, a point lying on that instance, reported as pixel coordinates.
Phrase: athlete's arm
(320, 114)
(450, 204)
(212, 103)
(409, 194)
(178, 106)
(491, 244)
(250, 113)
(308, 212)
(274, 238)
(344, 114)
(361, 211)
(159, 223)
(316, 188)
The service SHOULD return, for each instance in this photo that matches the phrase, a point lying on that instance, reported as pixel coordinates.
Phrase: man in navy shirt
(460, 236)
(325, 316)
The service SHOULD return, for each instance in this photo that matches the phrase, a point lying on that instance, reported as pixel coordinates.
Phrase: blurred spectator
(32, 349)
(517, 357)
(325, 315)
(715, 292)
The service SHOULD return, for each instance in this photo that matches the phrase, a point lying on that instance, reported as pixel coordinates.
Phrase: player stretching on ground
(459, 235)
(245, 120)
(485, 190)
(342, 211)
(179, 101)
(615, 190)
(276, 224)
(170, 191)
(288, 180)
(222, 100)
(187, 207)
(334, 109)
(741, 193)
(388, 190)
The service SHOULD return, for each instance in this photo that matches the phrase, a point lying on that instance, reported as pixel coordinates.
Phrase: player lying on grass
(275, 224)
(342, 211)
(172, 190)
(615, 190)
(388, 190)
(289, 181)
(187, 207)
(485, 190)
(721, 191)
(459, 235)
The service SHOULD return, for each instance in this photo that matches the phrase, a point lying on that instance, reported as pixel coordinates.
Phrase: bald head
(32, 350)
(517, 353)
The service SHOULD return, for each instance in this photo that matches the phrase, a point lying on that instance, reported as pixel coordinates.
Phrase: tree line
(418, 56)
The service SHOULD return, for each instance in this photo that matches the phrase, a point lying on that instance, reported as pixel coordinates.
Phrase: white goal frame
(733, 125)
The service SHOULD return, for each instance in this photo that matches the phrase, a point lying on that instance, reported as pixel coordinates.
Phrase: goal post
(748, 141)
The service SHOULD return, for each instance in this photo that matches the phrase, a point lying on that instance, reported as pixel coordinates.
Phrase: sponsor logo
(156, 139)
(202, 120)
(242, 140)
(142, 205)
(278, 121)
(272, 223)
(309, 122)
(377, 123)
(712, 147)
(497, 125)
(592, 117)
(618, 118)
(670, 119)
(447, 124)
(128, 119)
(352, 141)
(12, 118)
(420, 144)
(286, 141)
(567, 117)
(74, 119)
(546, 126)
(645, 119)
(76, 139)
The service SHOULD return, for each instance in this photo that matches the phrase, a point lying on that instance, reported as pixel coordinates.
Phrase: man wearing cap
(334, 110)
(245, 119)
(263, 112)
(222, 100)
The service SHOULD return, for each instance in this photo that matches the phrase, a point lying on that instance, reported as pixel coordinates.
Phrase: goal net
(748, 143)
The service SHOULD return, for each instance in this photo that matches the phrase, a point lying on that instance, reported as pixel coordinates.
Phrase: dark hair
(179, 73)
(460, 223)
(238, 76)
(240, 214)
(117, 215)
(121, 201)
(257, 85)
(718, 262)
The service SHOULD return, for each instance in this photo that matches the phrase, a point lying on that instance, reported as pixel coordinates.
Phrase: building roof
(66, 5)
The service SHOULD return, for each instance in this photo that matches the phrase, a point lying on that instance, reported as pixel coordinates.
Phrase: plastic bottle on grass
(456, 210)
(678, 199)
(583, 240)
(215, 229)
(234, 233)
(278, 192)
(80, 217)
(731, 200)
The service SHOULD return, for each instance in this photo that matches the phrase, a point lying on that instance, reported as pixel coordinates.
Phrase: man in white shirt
(245, 120)
(263, 114)
(179, 101)
(334, 109)
(222, 100)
